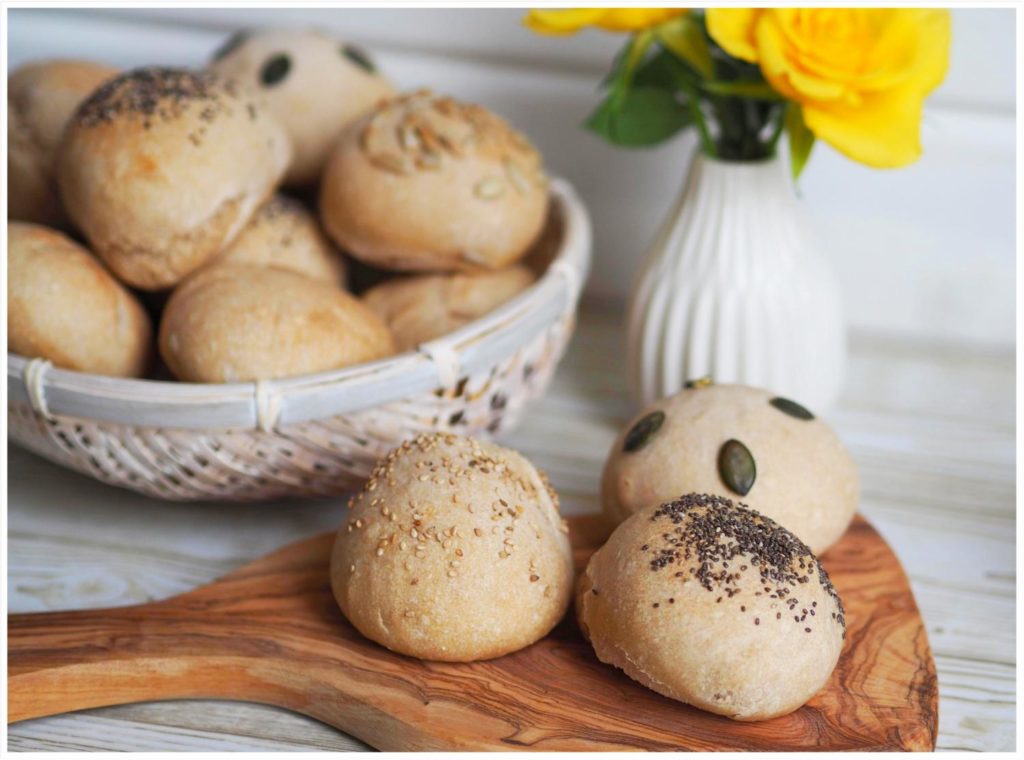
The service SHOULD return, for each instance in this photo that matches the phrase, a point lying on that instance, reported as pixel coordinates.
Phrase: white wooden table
(932, 428)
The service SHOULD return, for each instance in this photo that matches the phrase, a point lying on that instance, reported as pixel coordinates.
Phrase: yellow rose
(573, 20)
(860, 74)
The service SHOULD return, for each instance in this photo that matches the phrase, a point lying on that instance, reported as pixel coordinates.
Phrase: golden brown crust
(805, 478)
(62, 305)
(41, 98)
(469, 190)
(237, 323)
(424, 307)
(161, 168)
(313, 84)
(284, 234)
(454, 550)
(710, 603)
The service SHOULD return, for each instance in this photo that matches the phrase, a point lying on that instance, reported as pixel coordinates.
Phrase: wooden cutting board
(271, 632)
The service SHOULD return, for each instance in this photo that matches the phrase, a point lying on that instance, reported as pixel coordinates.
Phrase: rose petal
(884, 132)
(733, 30)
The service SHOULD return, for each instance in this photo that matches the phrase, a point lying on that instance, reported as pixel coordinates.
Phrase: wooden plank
(196, 726)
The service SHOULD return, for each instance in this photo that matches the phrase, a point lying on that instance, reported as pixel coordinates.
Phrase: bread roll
(284, 234)
(161, 168)
(41, 97)
(710, 603)
(235, 323)
(426, 183)
(424, 307)
(454, 550)
(62, 305)
(735, 441)
(312, 83)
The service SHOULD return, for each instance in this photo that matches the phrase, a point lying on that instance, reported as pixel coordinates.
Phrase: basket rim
(265, 404)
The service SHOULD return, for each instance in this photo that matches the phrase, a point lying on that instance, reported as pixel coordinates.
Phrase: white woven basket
(316, 434)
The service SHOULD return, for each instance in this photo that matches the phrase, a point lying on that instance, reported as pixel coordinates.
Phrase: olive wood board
(271, 632)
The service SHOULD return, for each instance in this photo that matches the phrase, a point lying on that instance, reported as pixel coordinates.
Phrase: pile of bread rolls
(194, 224)
(454, 550)
(183, 198)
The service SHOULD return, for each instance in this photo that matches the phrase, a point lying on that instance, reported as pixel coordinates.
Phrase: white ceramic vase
(735, 288)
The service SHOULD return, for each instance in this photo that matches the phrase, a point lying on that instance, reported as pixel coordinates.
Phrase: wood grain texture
(271, 632)
(931, 427)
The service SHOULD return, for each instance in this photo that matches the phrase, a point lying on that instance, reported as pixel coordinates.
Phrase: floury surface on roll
(232, 323)
(62, 305)
(426, 183)
(41, 98)
(710, 603)
(454, 550)
(161, 168)
(737, 442)
(424, 307)
(284, 234)
(311, 82)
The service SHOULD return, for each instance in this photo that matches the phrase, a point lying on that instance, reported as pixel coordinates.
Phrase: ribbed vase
(735, 288)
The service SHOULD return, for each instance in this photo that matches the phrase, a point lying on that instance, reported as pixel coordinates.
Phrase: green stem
(698, 118)
(773, 141)
(685, 81)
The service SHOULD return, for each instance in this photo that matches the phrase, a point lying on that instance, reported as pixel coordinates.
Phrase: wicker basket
(316, 434)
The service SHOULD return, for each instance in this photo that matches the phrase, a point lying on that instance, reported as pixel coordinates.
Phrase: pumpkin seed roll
(738, 442)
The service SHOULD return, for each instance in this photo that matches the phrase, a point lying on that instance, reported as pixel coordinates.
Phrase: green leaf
(656, 71)
(684, 37)
(642, 116)
(801, 139)
(629, 57)
(749, 90)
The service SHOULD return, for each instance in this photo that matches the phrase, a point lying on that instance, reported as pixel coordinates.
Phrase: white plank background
(931, 429)
(925, 251)
(926, 257)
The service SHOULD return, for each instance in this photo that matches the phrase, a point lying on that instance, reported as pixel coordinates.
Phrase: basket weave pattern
(320, 455)
(305, 459)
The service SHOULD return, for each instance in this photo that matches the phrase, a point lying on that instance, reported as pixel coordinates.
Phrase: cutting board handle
(64, 661)
(215, 642)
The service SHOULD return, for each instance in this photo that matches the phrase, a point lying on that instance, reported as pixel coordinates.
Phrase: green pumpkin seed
(641, 433)
(233, 42)
(275, 69)
(736, 467)
(791, 408)
(700, 382)
(359, 58)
